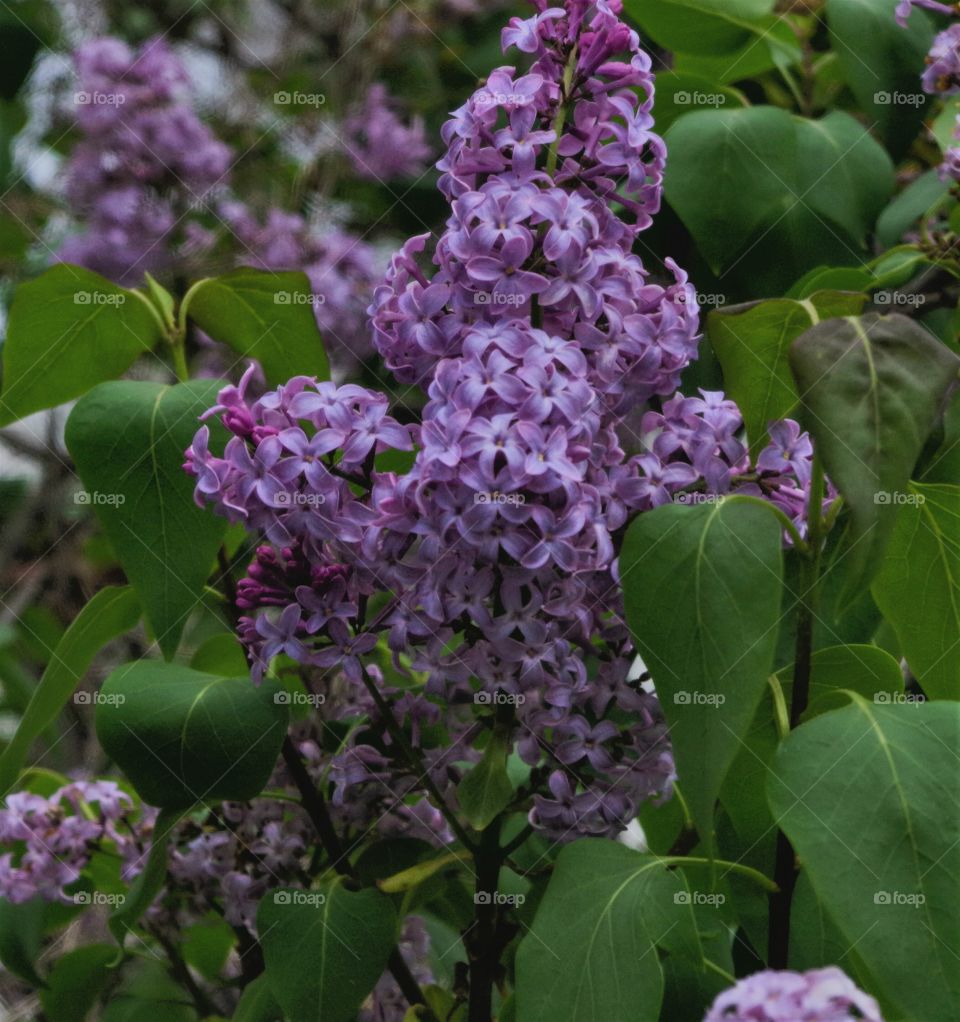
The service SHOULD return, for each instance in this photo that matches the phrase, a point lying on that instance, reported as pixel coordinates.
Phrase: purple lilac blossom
(52, 838)
(380, 144)
(943, 63)
(942, 75)
(535, 337)
(820, 995)
(905, 7)
(144, 161)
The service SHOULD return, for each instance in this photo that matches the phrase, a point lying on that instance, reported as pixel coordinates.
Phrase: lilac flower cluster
(342, 270)
(52, 838)
(820, 995)
(942, 76)
(229, 860)
(144, 161)
(697, 441)
(381, 145)
(905, 7)
(536, 336)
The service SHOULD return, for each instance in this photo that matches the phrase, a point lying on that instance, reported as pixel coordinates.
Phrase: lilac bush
(566, 651)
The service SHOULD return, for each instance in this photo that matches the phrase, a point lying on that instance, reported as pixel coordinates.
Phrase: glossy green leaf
(680, 93)
(21, 938)
(70, 329)
(184, 737)
(258, 1004)
(147, 993)
(112, 611)
(910, 206)
(76, 981)
(834, 672)
(592, 952)
(486, 789)
(703, 26)
(263, 315)
(879, 61)
(324, 950)
(127, 439)
(753, 343)
(702, 586)
(869, 797)
(871, 391)
(918, 586)
(768, 196)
